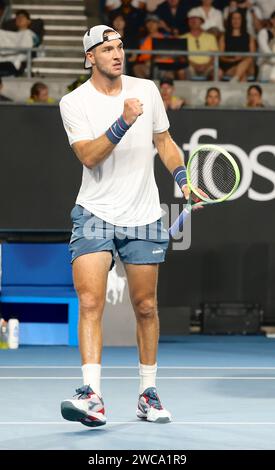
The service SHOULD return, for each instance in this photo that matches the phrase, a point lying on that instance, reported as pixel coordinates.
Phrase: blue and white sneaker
(88, 408)
(150, 407)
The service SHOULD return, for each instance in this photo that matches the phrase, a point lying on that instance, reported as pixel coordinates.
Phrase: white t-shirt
(214, 19)
(122, 189)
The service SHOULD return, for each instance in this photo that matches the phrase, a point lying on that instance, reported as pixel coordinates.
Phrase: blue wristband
(117, 130)
(180, 176)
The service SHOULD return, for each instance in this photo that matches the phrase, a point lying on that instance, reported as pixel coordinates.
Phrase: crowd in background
(193, 25)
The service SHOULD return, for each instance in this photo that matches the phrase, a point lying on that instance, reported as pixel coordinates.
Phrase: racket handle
(179, 222)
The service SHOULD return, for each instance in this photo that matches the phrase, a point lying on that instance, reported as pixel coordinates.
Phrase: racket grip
(179, 222)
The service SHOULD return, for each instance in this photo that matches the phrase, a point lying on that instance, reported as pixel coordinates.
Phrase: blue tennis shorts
(145, 244)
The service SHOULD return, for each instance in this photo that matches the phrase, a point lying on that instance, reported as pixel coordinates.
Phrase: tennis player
(111, 121)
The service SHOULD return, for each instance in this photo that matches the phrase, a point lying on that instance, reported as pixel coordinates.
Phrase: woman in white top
(213, 20)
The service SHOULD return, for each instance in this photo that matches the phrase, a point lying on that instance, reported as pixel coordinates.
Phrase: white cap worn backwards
(96, 36)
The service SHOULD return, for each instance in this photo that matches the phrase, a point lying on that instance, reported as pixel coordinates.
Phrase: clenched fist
(132, 110)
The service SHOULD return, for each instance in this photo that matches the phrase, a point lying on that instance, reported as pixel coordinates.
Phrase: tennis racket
(212, 177)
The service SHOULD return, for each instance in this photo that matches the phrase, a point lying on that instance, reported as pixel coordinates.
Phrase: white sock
(147, 376)
(91, 376)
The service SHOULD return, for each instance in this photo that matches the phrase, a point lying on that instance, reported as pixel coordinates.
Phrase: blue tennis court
(220, 391)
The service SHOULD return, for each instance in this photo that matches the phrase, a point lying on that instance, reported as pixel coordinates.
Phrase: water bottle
(13, 333)
(3, 335)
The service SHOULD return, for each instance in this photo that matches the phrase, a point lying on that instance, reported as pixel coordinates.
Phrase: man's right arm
(93, 152)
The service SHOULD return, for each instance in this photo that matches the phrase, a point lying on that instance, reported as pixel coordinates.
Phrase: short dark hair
(213, 88)
(23, 13)
(37, 87)
(169, 81)
(257, 87)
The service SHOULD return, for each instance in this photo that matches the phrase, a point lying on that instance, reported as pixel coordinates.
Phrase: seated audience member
(11, 62)
(167, 65)
(170, 100)
(134, 18)
(213, 19)
(266, 42)
(213, 97)
(3, 97)
(24, 22)
(173, 15)
(254, 97)
(199, 41)
(40, 94)
(251, 12)
(236, 39)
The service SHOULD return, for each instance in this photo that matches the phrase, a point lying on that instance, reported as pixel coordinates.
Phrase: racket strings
(212, 173)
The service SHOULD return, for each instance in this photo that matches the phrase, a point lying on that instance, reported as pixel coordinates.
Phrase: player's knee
(90, 304)
(146, 308)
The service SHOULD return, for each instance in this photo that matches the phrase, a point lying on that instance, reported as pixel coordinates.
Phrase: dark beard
(106, 74)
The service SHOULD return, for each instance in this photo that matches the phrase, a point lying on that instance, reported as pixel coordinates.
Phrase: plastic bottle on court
(13, 333)
(3, 335)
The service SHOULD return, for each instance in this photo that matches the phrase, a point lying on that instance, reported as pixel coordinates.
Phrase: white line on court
(196, 423)
(138, 378)
(136, 367)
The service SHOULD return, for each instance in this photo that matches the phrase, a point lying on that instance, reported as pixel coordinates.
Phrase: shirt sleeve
(160, 119)
(75, 123)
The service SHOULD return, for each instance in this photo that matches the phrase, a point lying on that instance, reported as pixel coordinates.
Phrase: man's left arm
(172, 159)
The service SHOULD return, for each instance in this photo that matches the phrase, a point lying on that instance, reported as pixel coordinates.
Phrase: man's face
(42, 96)
(22, 22)
(254, 97)
(213, 98)
(166, 90)
(194, 22)
(108, 58)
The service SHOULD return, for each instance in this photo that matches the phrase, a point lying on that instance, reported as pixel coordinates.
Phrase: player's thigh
(90, 274)
(142, 281)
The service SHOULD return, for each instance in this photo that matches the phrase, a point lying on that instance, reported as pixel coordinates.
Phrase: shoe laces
(154, 400)
(83, 392)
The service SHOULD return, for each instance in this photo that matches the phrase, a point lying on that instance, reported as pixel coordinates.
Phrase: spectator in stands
(236, 39)
(266, 41)
(40, 94)
(173, 15)
(213, 20)
(254, 97)
(199, 41)
(142, 68)
(134, 18)
(23, 22)
(252, 13)
(170, 100)
(3, 97)
(14, 63)
(213, 97)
